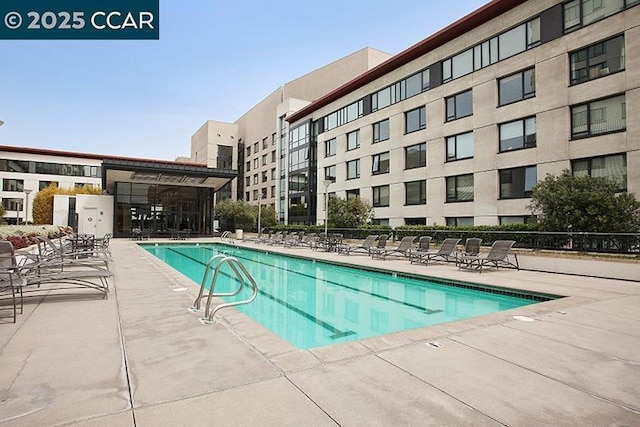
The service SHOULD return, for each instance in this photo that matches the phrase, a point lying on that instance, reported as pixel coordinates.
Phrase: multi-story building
(455, 130)
(458, 128)
(254, 143)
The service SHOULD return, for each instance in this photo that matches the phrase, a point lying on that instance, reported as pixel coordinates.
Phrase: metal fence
(613, 243)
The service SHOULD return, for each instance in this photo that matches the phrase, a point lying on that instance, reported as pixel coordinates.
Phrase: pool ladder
(241, 274)
(227, 235)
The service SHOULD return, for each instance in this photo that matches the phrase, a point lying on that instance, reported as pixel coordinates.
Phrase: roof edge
(463, 25)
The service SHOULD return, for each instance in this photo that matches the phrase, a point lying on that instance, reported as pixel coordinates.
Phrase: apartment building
(458, 128)
(254, 143)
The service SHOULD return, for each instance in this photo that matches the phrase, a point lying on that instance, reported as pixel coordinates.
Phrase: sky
(214, 61)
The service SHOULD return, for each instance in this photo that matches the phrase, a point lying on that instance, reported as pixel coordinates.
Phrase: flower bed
(22, 236)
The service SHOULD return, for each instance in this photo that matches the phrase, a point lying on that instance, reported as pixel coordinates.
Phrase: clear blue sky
(214, 60)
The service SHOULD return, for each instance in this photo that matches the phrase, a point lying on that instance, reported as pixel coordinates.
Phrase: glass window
(353, 169)
(273, 174)
(381, 196)
(460, 188)
(256, 147)
(247, 181)
(7, 165)
(518, 134)
(381, 131)
(512, 42)
(273, 156)
(330, 147)
(584, 12)
(256, 163)
(265, 143)
(598, 117)
(248, 168)
(330, 173)
(44, 184)
(460, 146)
(597, 60)
(255, 178)
(613, 166)
(380, 163)
(517, 183)
(416, 192)
(460, 105)
(298, 182)
(248, 151)
(415, 156)
(12, 184)
(518, 219)
(459, 221)
(517, 87)
(264, 176)
(353, 194)
(265, 159)
(462, 64)
(415, 119)
(353, 140)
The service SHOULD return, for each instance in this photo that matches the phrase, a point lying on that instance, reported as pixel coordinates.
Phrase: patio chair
(403, 249)
(11, 283)
(364, 247)
(424, 246)
(498, 256)
(61, 256)
(294, 239)
(445, 253)
(471, 248)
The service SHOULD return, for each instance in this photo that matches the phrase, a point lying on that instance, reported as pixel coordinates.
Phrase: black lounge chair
(424, 245)
(365, 247)
(497, 257)
(403, 249)
(11, 283)
(445, 253)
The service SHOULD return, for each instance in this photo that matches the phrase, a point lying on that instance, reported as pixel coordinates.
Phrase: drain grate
(434, 344)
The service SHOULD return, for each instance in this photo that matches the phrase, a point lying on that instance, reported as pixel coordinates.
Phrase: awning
(166, 173)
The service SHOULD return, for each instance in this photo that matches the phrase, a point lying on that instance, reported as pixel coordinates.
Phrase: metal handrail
(242, 275)
(227, 235)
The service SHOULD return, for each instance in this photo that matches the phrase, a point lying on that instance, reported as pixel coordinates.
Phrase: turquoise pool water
(311, 303)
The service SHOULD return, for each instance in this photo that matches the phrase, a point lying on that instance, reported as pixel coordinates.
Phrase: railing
(241, 275)
(227, 235)
(613, 243)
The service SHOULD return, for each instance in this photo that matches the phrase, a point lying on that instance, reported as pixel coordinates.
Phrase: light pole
(26, 206)
(327, 183)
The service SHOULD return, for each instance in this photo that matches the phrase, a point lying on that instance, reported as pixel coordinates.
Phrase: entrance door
(89, 221)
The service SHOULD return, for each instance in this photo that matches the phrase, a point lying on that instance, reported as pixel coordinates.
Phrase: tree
(350, 213)
(2, 212)
(268, 216)
(236, 214)
(584, 203)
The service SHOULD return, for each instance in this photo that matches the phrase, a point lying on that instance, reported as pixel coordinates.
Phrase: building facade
(159, 196)
(459, 128)
(257, 141)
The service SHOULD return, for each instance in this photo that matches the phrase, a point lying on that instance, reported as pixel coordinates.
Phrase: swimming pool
(312, 303)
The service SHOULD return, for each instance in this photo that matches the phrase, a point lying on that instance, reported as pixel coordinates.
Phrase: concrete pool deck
(141, 358)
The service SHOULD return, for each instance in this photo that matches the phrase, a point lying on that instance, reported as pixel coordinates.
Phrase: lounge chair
(498, 257)
(424, 246)
(62, 255)
(471, 248)
(11, 283)
(445, 253)
(294, 239)
(364, 247)
(403, 249)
